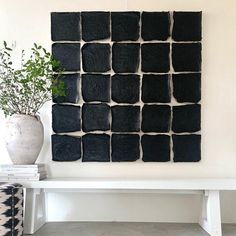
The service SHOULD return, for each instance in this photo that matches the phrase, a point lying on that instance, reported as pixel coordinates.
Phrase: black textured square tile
(96, 147)
(187, 87)
(187, 148)
(125, 26)
(125, 88)
(125, 118)
(155, 57)
(187, 26)
(125, 147)
(156, 118)
(155, 88)
(71, 82)
(156, 148)
(125, 57)
(186, 57)
(68, 54)
(95, 117)
(66, 148)
(96, 87)
(65, 26)
(155, 25)
(96, 57)
(186, 118)
(95, 25)
(65, 118)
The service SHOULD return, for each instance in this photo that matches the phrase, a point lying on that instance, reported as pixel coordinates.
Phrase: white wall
(28, 21)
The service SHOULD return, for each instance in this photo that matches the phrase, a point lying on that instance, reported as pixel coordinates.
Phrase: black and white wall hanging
(133, 86)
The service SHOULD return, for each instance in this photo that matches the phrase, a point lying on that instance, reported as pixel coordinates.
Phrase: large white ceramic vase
(24, 138)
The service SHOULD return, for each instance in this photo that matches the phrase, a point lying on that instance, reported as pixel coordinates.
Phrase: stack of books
(22, 172)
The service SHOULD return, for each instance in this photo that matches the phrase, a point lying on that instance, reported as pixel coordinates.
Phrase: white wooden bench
(209, 220)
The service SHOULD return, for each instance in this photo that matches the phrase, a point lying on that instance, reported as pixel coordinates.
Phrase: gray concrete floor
(126, 229)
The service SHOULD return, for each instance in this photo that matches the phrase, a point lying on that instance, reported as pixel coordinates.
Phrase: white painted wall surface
(28, 21)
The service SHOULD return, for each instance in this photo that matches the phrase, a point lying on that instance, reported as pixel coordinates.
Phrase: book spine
(13, 171)
(18, 179)
(22, 178)
(36, 166)
(22, 170)
(19, 174)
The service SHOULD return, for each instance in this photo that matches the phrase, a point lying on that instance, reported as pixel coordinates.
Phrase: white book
(22, 174)
(23, 170)
(22, 178)
(33, 166)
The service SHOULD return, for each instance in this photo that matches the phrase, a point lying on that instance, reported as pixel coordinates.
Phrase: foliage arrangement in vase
(22, 93)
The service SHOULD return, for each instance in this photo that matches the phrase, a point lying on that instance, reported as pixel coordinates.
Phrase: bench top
(134, 183)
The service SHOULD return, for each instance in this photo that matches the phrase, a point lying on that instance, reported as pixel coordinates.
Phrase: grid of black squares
(147, 68)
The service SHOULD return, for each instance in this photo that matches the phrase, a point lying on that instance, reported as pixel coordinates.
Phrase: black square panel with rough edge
(186, 57)
(156, 118)
(95, 25)
(96, 57)
(187, 87)
(96, 147)
(66, 148)
(70, 82)
(187, 26)
(155, 88)
(95, 117)
(125, 119)
(125, 88)
(187, 148)
(155, 26)
(186, 118)
(125, 147)
(68, 54)
(65, 26)
(65, 118)
(155, 57)
(125, 57)
(125, 26)
(96, 87)
(156, 148)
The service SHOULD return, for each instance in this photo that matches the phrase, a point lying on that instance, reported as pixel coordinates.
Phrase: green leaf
(28, 88)
(9, 49)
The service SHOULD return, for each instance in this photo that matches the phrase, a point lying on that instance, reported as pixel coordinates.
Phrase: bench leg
(210, 219)
(35, 212)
